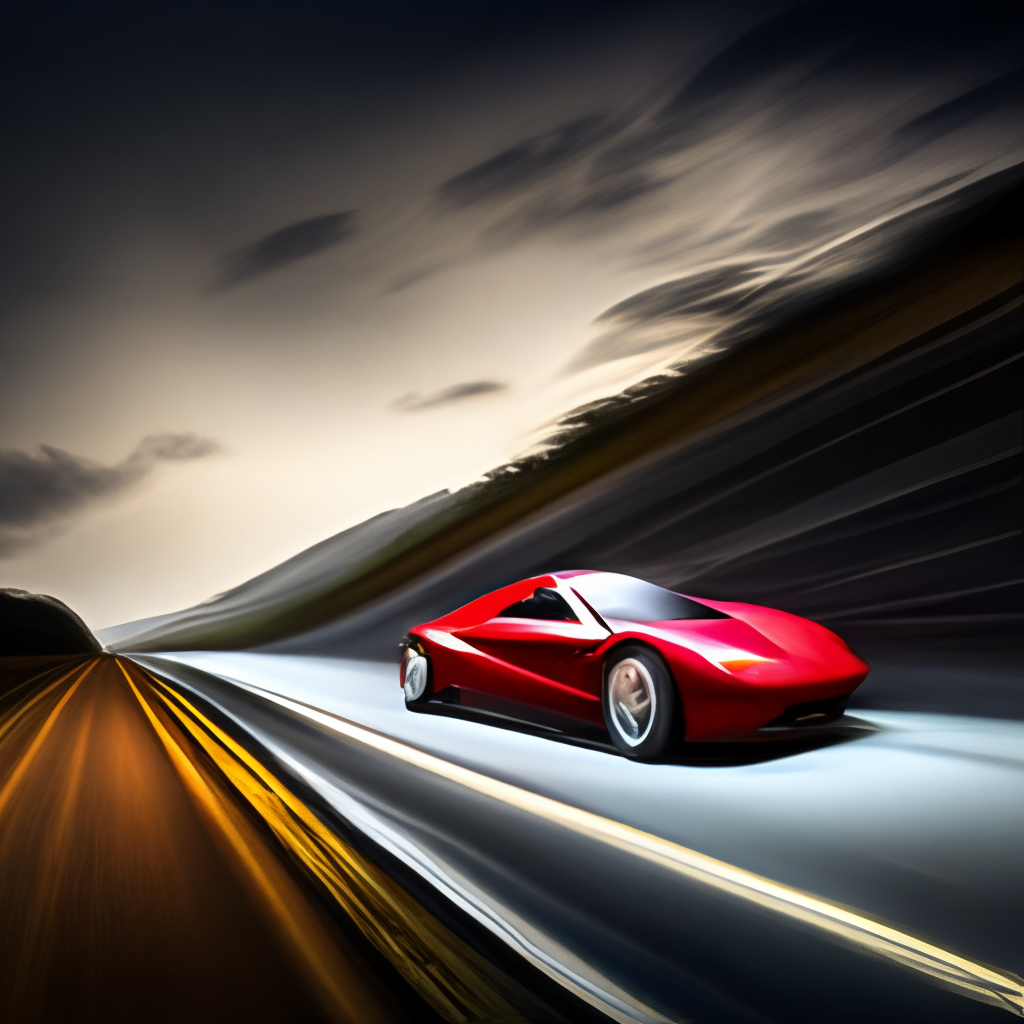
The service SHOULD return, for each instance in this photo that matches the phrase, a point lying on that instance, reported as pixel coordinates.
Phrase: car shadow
(758, 748)
(772, 744)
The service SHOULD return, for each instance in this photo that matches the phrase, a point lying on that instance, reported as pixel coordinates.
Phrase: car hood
(755, 641)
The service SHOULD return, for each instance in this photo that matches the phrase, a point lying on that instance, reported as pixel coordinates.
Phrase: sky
(268, 270)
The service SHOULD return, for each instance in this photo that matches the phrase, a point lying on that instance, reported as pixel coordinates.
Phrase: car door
(538, 661)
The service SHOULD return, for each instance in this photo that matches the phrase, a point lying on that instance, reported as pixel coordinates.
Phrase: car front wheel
(415, 675)
(640, 703)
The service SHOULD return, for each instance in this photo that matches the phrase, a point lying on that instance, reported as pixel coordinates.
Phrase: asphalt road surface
(869, 872)
(152, 870)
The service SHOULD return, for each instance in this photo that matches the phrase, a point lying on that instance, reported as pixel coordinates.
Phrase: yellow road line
(58, 851)
(49, 670)
(17, 714)
(26, 759)
(971, 978)
(449, 977)
(209, 802)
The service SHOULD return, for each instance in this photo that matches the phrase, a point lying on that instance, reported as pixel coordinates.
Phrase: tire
(640, 702)
(415, 674)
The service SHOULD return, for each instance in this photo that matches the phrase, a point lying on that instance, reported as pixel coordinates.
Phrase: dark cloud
(547, 180)
(704, 312)
(41, 488)
(1003, 93)
(800, 229)
(527, 163)
(278, 249)
(552, 178)
(804, 35)
(768, 79)
(619, 149)
(761, 67)
(606, 194)
(698, 293)
(597, 164)
(564, 203)
(413, 402)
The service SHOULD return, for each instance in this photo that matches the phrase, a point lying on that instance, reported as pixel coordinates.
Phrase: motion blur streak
(448, 975)
(260, 871)
(119, 902)
(26, 759)
(972, 979)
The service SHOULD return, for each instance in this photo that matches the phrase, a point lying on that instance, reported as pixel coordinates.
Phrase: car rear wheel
(414, 674)
(639, 702)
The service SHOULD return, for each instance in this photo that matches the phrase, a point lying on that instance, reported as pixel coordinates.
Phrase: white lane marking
(544, 952)
(554, 960)
(974, 980)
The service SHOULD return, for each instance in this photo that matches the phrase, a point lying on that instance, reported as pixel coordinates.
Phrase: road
(151, 869)
(872, 875)
(265, 837)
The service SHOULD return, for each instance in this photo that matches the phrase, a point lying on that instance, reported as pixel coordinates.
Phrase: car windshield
(545, 604)
(615, 596)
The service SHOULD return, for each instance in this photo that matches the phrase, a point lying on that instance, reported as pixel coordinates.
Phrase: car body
(539, 651)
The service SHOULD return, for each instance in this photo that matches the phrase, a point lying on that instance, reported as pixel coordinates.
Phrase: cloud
(677, 314)
(413, 402)
(604, 160)
(546, 180)
(284, 246)
(812, 150)
(527, 163)
(39, 490)
(698, 293)
(1003, 94)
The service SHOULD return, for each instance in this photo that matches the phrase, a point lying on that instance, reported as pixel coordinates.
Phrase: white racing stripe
(969, 978)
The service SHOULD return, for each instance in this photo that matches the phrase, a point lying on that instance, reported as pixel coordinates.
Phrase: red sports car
(576, 649)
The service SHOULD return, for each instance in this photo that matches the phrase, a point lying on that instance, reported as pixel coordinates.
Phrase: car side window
(546, 603)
